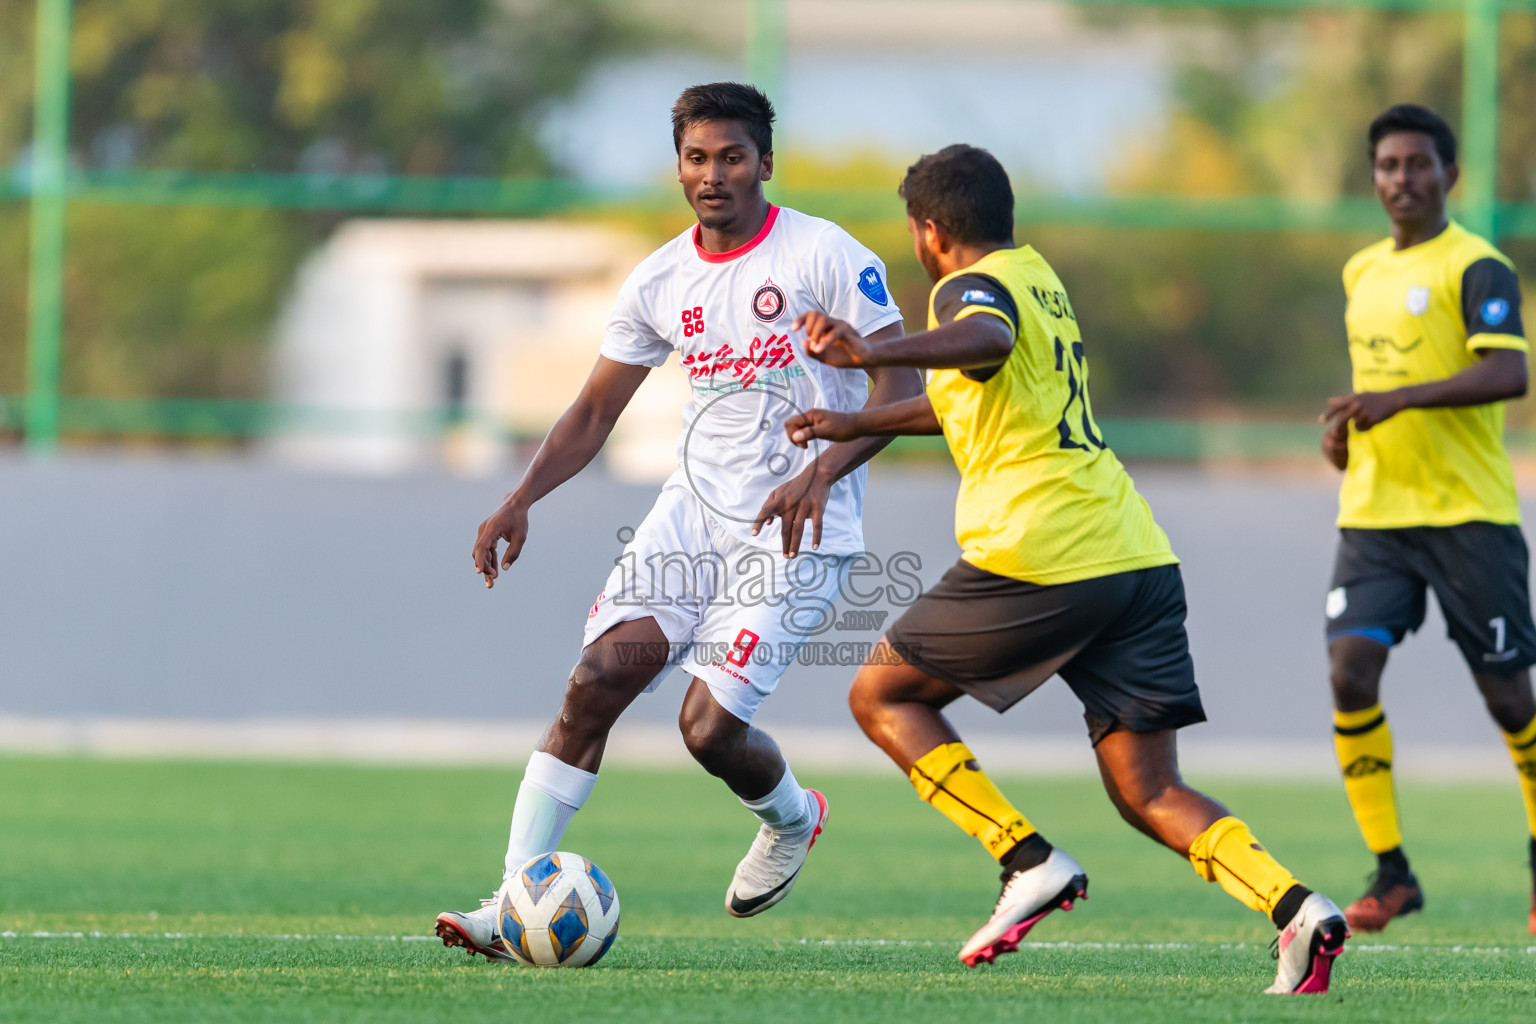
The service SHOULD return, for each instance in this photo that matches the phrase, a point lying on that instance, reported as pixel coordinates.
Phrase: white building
(409, 344)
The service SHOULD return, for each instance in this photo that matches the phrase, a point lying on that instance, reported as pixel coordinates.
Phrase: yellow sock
(1364, 744)
(949, 778)
(1227, 853)
(1522, 747)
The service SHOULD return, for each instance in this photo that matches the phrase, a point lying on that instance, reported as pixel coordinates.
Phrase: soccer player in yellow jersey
(1063, 571)
(1428, 499)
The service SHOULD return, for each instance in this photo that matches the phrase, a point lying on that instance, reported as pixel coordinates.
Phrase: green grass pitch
(230, 892)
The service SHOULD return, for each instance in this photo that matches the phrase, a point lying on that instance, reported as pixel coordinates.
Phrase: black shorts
(1118, 641)
(1480, 573)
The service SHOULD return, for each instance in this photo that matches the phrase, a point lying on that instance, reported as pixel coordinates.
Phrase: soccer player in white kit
(715, 575)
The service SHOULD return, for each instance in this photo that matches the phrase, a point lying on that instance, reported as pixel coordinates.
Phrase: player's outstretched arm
(575, 439)
(913, 416)
(889, 385)
(1499, 375)
(973, 341)
(803, 500)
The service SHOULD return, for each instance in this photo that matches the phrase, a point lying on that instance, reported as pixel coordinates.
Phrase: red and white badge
(768, 302)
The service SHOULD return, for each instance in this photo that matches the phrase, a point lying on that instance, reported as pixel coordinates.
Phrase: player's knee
(1354, 682)
(1352, 687)
(707, 731)
(1509, 699)
(584, 678)
(864, 700)
(591, 685)
(875, 690)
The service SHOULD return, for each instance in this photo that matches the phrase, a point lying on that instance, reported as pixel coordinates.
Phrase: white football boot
(768, 871)
(477, 931)
(1026, 898)
(1306, 947)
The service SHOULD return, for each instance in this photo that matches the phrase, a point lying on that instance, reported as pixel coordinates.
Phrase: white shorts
(734, 615)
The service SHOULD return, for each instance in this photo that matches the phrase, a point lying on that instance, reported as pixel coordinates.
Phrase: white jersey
(728, 316)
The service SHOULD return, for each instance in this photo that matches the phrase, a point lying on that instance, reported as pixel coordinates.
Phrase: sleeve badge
(872, 286)
(1494, 312)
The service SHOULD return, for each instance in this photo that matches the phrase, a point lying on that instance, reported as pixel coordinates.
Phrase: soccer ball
(559, 910)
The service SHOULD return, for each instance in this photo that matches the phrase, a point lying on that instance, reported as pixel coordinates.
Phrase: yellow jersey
(1042, 498)
(1416, 315)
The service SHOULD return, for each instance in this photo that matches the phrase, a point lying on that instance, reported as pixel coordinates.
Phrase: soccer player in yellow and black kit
(1063, 571)
(1428, 499)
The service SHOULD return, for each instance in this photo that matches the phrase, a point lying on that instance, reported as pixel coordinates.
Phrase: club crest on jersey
(1494, 312)
(1418, 301)
(872, 287)
(768, 302)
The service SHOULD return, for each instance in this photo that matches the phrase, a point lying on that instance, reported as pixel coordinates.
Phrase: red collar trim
(740, 250)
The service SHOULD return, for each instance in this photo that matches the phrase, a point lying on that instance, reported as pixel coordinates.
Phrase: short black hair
(725, 101)
(963, 188)
(1410, 117)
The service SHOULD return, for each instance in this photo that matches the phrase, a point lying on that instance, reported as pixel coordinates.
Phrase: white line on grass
(234, 935)
(1357, 947)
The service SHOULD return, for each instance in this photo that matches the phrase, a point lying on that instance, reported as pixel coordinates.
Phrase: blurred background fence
(190, 194)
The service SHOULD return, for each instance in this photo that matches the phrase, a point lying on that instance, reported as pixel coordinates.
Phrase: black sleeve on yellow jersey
(972, 291)
(1490, 299)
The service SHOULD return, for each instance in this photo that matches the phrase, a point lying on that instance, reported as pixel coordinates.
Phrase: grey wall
(229, 589)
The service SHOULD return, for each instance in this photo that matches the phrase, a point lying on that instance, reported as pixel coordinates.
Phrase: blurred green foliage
(1267, 103)
(449, 87)
(1278, 103)
(13, 296)
(180, 301)
(175, 301)
(1189, 324)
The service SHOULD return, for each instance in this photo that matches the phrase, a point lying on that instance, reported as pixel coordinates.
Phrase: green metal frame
(53, 187)
(45, 278)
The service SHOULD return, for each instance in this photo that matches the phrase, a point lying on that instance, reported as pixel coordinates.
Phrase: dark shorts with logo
(1480, 573)
(1118, 641)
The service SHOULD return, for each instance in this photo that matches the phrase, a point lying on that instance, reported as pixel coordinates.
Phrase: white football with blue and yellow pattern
(559, 910)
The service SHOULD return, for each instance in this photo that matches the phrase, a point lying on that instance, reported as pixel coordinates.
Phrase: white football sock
(549, 797)
(787, 808)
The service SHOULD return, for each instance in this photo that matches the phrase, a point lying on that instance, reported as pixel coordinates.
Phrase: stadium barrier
(227, 420)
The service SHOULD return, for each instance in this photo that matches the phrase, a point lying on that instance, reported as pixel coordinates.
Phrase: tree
(1267, 104)
(449, 86)
(179, 301)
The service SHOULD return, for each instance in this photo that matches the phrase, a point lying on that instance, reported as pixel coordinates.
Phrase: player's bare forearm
(571, 444)
(899, 419)
(912, 416)
(804, 499)
(1499, 375)
(581, 431)
(889, 385)
(978, 340)
(576, 437)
